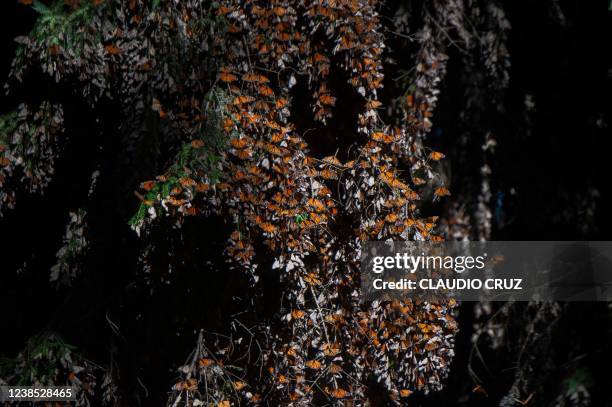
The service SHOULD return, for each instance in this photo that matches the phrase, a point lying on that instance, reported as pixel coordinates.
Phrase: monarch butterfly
(187, 182)
(297, 313)
(375, 83)
(390, 179)
(265, 91)
(197, 143)
(311, 278)
(383, 137)
(190, 384)
(395, 202)
(239, 175)
(283, 36)
(332, 160)
(397, 230)
(54, 49)
(238, 385)
(410, 194)
(410, 100)
(262, 106)
(243, 154)
(334, 368)
(281, 102)
(277, 137)
(272, 124)
(391, 217)
(252, 118)
(345, 43)
(339, 393)
(191, 211)
(418, 181)
(268, 227)
(148, 185)
(176, 202)
(145, 66)
(243, 99)
(112, 49)
(313, 364)
(201, 187)
(233, 29)
(253, 77)
(441, 191)
(436, 156)
(224, 10)
(369, 62)
(327, 99)
(373, 104)
(364, 164)
(328, 174)
(279, 169)
(405, 392)
(279, 11)
(227, 77)
(239, 142)
(322, 113)
(157, 106)
(429, 223)
(320, 58)
(317, 218)
(330, 349)
(228, 124)
(318, 205)
(272, 149)
(258, 11)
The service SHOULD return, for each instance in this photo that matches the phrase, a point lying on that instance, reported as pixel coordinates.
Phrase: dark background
(556, 158)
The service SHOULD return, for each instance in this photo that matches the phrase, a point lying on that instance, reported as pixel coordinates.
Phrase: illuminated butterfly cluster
(276, 192)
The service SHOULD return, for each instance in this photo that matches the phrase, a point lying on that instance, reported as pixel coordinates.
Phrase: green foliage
(57, 26)
(580, 377)
(47, 360)
(301, 217)
(39, 361)
(199, 159)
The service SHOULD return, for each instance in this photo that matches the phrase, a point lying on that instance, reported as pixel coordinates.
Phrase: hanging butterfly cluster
(29, 146)
(328, 345)
(74, 246)
(214, 84)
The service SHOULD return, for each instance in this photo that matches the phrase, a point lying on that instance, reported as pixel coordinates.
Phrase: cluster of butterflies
(29, 147)
(275, 192)
(311, 214)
